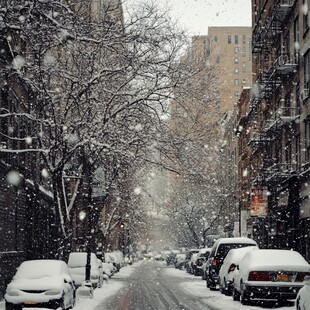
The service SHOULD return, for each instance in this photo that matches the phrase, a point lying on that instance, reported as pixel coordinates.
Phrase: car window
(223, 249)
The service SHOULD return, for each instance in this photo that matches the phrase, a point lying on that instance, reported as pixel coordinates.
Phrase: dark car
(218, 253)
(201, 259)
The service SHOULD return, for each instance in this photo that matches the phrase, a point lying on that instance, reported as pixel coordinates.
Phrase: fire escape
(275, 67)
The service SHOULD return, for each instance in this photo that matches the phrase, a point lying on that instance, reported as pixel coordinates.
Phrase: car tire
(235, 295)
(245, 299)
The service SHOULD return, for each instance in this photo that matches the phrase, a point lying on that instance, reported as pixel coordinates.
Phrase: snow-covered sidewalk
(108, 289)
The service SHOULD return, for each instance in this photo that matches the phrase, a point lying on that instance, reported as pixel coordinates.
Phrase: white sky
(198, 15)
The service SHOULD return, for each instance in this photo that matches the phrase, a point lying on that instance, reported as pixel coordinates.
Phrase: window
(236, 50)
(244, 51)
(296, 38)
(305, 16)
(243, 67)
(307, 70)
(215, 39)
(298, 151)
(307, 138)
(236, 60)
(236, 71)
(236, 39)
(236, 82)
(229, 39)
(244, 39)
(236, 94)
(244, 82)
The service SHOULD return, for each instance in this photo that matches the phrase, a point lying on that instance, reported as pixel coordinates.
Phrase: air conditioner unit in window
(304, 94)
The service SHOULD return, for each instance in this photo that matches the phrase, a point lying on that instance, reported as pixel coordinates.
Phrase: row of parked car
(237, 267)
(52, 284)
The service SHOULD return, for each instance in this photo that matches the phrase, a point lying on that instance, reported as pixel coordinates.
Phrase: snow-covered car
(202, 257)
(41, 283)
(77, 263)
(188, 257)
(303, 296)
(192, 263)
(179, 261)
(109, 269)
(116, 258)
(270, 274)
(229, 266)
(220, 249)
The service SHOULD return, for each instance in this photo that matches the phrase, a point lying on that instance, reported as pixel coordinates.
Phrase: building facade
(273, 128)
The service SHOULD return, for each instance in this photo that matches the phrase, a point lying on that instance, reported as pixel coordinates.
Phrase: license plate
(282, 277)
(30, 303)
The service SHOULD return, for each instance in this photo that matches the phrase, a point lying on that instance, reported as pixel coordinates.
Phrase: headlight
(12, 293)
(53, 292)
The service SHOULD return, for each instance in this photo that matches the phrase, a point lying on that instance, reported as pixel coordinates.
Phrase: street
(151, 285)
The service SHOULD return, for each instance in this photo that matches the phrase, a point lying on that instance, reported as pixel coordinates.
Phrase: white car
(77, 263)
(228, 268)
(41, 283)
(270, 274)
(303, 296)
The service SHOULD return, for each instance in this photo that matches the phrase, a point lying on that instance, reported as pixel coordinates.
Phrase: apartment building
(273, 128)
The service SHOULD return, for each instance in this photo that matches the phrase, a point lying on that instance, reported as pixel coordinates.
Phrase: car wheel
(235, 295)
(244, 299)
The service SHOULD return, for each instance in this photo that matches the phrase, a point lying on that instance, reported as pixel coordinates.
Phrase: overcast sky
(198, 15)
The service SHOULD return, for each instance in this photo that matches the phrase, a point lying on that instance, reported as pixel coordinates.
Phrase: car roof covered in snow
(236, 240)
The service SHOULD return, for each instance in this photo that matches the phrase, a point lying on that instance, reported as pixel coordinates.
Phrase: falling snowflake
(137, 190)
(13, 178)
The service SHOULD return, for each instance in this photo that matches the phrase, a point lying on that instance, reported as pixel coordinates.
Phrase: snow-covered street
(153, 285)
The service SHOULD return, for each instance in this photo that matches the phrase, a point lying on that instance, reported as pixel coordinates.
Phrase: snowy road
(153, 286)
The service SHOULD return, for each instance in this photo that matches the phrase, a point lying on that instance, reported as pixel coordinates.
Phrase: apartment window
(298, 99)
(236, 71)
(298, 151)
(244, 39)
(307, 138)
(236, 82)
(243, 67)
(305, 16)
(236, 94)
(296, 38)
(307, 70)
(236, 50)
(236, 60)
(244, 82)
(215, 39)
(288, 153)
(236, 39)
(229, 39)
(243, 51)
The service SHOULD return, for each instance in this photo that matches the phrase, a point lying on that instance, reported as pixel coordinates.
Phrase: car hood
(45, 283)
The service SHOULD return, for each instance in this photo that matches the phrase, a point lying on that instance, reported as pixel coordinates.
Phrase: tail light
(232, 267)
(301, 276)
(259, 276)
(214, 262)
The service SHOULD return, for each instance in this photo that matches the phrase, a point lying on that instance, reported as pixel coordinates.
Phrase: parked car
(192, 263)
(303, 296)
(203, 255)
(229, 266)
(270, 274)
(188, 257)
(170, 258)
(41, 283)
(179, 261)
(218, 253)
(77, 263)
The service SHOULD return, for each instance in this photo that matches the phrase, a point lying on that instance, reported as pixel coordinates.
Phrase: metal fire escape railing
(279, 172)
(269, 27)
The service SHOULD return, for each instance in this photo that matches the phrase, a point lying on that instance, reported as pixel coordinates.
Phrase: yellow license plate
(30, 303)
(282, 277)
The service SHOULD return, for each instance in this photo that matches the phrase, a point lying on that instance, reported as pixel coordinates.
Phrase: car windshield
(38, 269)
(223, 249)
